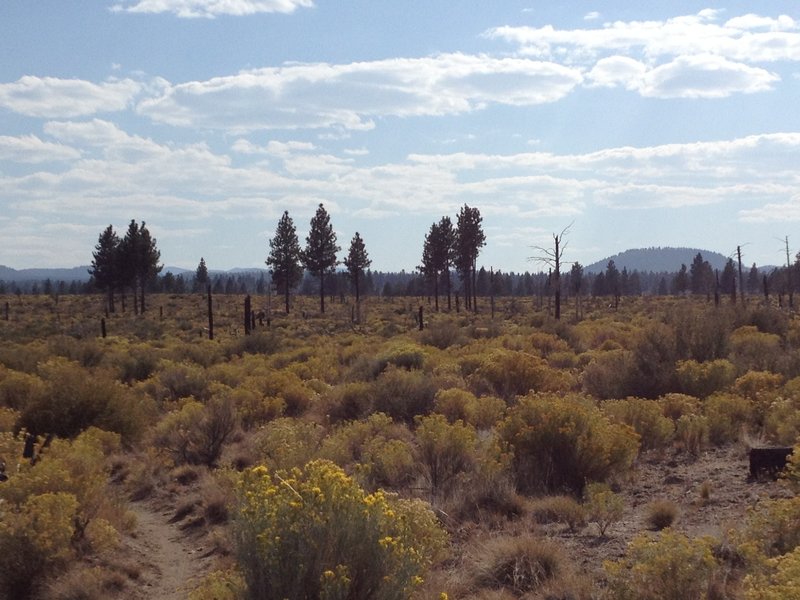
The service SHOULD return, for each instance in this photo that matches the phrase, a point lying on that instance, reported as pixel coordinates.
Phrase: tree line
(127, 263)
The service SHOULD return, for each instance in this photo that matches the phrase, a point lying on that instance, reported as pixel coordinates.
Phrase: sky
(629, 124)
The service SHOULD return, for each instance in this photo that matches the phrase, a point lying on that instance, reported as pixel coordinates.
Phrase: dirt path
(170, 565)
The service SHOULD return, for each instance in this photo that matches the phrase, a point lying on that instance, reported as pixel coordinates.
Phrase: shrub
(517, 564)
(349, 401)
(669, 566)
(377, 449)
(287, 443)
(220, 585)
(559, 509)
(603, 506)
(35, 542)
(779, 580)
(692, 431)
(18, 389)
(445, 450)
(606, 375)
(727, 416)
(661, 514)
(782, 421)
(561, 443)
(702, 379)
(253, 407)
(645, 417)
(75, 399)
(457, 404)
(752, 350)
(196, 433)
(772, 529)
(674, 406)
(511, 373)
(442, 334)
(182, 380)
(404, 394)
(313, 533)
(653, 364)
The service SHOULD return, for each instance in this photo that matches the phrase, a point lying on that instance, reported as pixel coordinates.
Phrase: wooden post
(210, 315)
(103, 328)
(247, 314)
(160, 313)
(421, 323)
(6, 311)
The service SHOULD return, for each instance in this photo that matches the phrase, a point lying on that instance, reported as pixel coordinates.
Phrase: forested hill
(657, 260)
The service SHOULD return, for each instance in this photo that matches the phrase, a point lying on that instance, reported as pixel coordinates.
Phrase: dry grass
(517, 564)
(559, 509)
(661, 514)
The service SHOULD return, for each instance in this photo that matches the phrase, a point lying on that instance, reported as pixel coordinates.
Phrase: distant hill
(658, 260)
(73, 274)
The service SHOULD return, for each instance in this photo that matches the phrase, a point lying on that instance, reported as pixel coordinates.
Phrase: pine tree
(319, 256)
(147, 262)
(104, 264)
(356, 262)
(469, 239)
(201, 275)
(284, 257)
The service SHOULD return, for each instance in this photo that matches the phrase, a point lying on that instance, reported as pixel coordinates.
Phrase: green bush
(75, 398)
(603, 506)
(196, 433)
(377, 450)
(728, 416)
(645, 416)
(510, 373)
(445, 450)
(560, 443)
(313, 533)
(703, 379)
(404, 394)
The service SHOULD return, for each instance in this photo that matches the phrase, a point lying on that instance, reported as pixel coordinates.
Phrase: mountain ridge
(657, 259)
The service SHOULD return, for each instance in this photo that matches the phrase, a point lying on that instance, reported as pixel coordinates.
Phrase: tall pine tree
(285, 256)
(319, 256)
(356, 262)
(104, 264)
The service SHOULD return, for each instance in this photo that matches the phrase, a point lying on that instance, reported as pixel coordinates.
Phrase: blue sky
(639, 123)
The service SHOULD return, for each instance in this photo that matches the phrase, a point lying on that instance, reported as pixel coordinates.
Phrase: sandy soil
(171, 564)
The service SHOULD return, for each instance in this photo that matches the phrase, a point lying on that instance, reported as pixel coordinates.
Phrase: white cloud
(50, 97)
(273, 147)
(773, 212)
(705, 76)
(211, 8)
(31, 149)
(351, 96)
(591, 16)
(747, 39)
(752, 21)
(617, 70)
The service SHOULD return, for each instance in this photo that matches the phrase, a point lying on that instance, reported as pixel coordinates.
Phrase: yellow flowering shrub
(646, 418)
(314, 533)
(560, 443)
(780, 581)
(668, 566)
(35, 541)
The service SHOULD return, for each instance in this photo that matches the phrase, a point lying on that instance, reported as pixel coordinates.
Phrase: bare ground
(676, 477)
(170, 559)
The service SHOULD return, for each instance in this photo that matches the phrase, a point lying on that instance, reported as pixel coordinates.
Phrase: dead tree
(552, 257)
